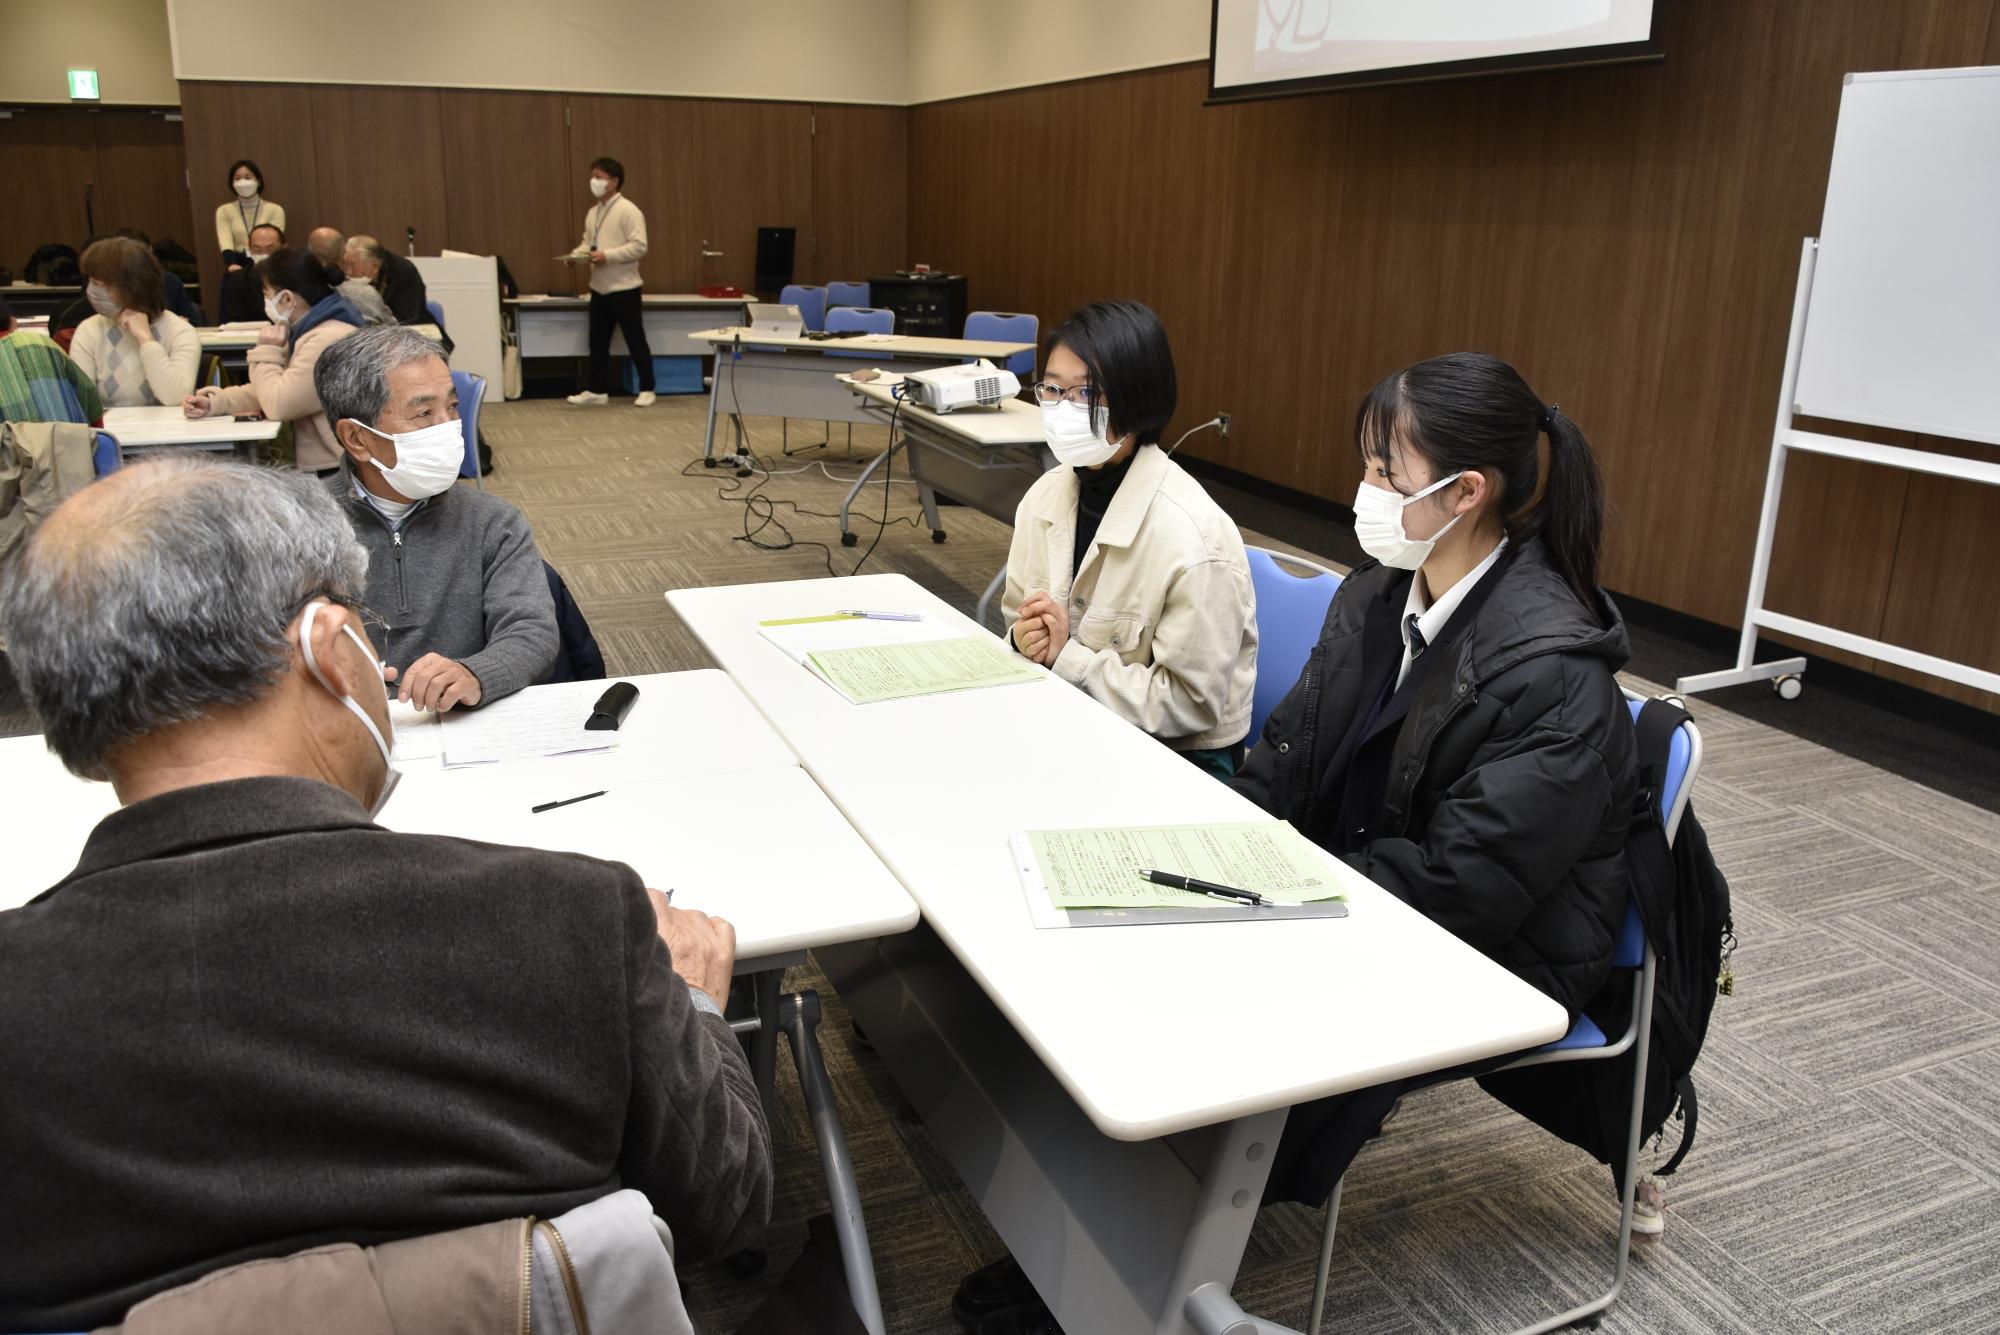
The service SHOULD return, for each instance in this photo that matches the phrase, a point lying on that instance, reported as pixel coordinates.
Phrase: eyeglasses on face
(1086, 395)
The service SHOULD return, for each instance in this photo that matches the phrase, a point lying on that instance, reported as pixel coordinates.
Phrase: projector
(979, 385)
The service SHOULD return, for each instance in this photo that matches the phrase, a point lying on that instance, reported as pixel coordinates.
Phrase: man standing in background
(614, 237)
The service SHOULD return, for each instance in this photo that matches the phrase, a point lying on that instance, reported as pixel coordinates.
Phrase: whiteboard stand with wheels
(1896, 324)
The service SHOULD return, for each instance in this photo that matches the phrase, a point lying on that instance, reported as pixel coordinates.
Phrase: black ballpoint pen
(1201, 887)
(551, 806)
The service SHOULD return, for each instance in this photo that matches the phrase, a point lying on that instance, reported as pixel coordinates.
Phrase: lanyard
(602, 210)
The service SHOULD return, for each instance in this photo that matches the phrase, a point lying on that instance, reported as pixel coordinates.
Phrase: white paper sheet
(544, 722)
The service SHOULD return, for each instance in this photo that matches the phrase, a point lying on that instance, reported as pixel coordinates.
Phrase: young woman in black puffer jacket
(1458, 734)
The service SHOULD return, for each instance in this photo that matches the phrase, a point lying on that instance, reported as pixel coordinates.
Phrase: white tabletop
(1011, 422)
(138, 428)
(562, 300)
(1154, 1029)
(888, 345)
(242, 335)
(700, 795)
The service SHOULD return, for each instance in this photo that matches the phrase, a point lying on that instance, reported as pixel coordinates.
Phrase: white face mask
(391, 775)
(1378, 523)
(599, 186)
(245, 188)
(100, 300)
(273, 307)
(1076, 433)
(427, 461)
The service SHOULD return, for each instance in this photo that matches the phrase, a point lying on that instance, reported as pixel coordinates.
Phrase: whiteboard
(1903, 330)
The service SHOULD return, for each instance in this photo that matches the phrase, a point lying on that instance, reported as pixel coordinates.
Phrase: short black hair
(255, 170)
(610, 167)
(296, 269)
(6, 314)
(269, 227)
(1124, 347)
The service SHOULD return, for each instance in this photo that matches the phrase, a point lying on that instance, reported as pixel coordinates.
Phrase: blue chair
(810, 300)
(471, 393)
(1586, 1042)
(107, 456)
(846, 294)
(1290, 611)
(1005, 327)
(437, 314)
(858, 319)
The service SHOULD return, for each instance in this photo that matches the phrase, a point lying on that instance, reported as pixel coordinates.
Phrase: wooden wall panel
(41, 161)
(510, 188)
(269, 123)
(380, 156)
(1629, 238)
(131, 158)
(142, 176)
(860, 192)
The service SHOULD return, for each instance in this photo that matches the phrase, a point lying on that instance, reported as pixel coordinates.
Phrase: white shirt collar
(1431, 616)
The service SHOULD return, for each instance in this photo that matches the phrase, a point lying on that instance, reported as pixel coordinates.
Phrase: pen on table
(1201, 887)
(551, 806)
(880, 616)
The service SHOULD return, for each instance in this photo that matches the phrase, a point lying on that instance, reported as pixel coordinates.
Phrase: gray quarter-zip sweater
(459, 575)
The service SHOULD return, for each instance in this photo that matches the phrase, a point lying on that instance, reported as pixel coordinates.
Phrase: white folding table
(1112, 1096)
(167, 427)
(559, 326)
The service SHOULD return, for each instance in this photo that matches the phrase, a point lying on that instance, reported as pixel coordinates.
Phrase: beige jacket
(616, 227)
(281, 388)
(230, 231)
(1162, 616)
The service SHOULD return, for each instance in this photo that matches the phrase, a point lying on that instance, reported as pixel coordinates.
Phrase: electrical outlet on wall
(1222, 425)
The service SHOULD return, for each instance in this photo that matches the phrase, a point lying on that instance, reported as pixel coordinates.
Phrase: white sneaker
(587, 399)
(1649, 1209)
(645, 400)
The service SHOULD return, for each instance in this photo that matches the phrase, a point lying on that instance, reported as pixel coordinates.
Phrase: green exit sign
(83, 86)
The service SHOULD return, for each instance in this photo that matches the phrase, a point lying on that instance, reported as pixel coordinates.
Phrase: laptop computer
(784, 321)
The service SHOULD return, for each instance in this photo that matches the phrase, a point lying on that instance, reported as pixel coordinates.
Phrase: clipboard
(1046, 916)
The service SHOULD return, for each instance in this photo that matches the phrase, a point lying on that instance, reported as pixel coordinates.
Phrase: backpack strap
(1691, 1117)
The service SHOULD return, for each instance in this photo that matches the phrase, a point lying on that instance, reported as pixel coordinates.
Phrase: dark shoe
(990, 1289)
(1030, 1318)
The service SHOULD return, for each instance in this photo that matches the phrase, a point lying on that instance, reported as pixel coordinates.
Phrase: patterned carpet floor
(1847, 1175)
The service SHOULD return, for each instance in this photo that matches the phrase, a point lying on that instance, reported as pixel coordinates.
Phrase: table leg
(714, 397)
(847, 538)
(764, 1043)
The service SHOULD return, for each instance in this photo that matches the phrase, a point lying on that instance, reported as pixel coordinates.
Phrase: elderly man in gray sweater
(453, 570)
(252, 1020)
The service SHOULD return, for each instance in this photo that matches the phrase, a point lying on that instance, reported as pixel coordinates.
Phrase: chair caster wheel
(1788, 687)
(849, 539)
(750, 1261)
(708, 463)
(937, 535)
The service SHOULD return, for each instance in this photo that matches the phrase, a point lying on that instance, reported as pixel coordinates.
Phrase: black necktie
(1417, 642)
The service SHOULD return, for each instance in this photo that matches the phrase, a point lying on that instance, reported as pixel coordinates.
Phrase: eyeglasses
(373, 623)
(1086, 395)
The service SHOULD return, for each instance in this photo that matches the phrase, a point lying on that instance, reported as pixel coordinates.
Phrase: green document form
(897, 671)
(1097, 869)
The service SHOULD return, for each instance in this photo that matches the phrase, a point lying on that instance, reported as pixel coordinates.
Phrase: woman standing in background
(246, 209)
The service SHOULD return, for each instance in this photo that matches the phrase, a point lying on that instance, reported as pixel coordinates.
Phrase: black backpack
(1684, 903)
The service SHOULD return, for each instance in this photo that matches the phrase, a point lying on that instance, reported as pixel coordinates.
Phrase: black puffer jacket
(1513, 776)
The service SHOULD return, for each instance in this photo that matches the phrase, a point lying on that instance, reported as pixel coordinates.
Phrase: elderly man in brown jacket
(252, 1021)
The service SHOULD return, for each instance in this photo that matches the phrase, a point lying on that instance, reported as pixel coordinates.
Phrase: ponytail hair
(1470, 412)
(296, 269)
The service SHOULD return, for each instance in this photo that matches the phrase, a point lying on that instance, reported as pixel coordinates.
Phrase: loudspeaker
(775, 248)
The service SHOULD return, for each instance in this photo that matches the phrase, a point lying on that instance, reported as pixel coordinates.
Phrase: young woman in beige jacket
(1124, 578)
(307, 316)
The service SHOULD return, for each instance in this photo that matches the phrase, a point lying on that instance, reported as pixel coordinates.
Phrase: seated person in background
(454, 569)
(252, 1020)
(307, 317)
(401, 286)
(39, 382)
(139, 353)
(242, 291)
(329, 247)
(1458, 735)
(1124, 577)
(177, 299)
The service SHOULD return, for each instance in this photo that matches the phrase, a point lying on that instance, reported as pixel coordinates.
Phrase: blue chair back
(107, 456)
(1007, 327)
(810, 300)
(846, 294)
(1630, 952)
(437, 314)
(1290, 613)
(471, 393)
(866, 319)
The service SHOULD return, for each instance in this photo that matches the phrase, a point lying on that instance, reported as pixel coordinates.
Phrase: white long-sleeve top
(129, 375)
(616, 227)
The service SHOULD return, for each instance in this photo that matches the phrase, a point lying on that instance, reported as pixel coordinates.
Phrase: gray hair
(174, 603)
(352, 375)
